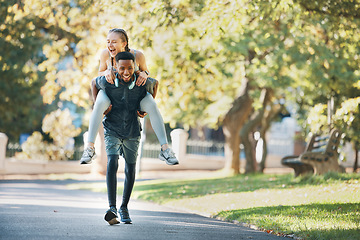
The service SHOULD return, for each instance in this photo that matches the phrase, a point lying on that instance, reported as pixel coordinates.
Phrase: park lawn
(310, 207)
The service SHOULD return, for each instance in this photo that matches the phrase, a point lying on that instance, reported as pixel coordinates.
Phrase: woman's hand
(141, 80)
(110, 76)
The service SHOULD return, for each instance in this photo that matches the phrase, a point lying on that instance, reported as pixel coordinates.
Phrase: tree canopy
(202, 51)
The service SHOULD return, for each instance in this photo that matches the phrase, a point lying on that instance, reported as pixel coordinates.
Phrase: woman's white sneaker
(88, 155)
(168, 156)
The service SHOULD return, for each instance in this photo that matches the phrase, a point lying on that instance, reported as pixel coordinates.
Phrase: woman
(117, 41)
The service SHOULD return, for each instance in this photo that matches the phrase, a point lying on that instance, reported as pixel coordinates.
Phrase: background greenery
(213, 59)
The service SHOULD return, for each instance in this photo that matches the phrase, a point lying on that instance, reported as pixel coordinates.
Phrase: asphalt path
(48, 209)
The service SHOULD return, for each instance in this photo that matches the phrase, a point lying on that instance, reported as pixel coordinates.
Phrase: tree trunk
(261, 166)
(246, 132)
(265, 125)
(356, 149)
(232, 123)
(246, 136)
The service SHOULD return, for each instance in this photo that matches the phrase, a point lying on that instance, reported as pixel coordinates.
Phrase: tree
(21, 45)
(215, 60)
(336, 57)
(58, 125)
(347, 118)
(46, 61)
(209, 48)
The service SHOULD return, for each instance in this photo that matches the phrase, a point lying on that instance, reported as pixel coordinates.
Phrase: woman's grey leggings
(147, 104)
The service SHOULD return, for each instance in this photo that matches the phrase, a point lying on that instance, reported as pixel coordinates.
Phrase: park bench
(320, 155)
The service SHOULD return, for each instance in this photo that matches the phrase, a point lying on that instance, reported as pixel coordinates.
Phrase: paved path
(45, 209)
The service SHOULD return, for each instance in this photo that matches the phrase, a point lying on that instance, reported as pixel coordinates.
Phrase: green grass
(310, 221)
(310, 207)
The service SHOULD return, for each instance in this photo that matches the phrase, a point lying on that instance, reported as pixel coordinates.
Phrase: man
(122, 131)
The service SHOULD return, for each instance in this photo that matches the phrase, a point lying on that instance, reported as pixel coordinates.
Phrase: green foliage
(347, 118)
(207, 48)
(58, 125)
(49, 56)
(331, 66)
(34, 148)
(200, 50)
(21, 44)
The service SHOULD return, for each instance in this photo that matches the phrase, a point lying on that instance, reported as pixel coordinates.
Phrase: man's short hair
(125, 56)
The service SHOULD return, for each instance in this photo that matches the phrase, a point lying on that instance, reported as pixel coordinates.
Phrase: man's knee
(130, 169)
(113, 161)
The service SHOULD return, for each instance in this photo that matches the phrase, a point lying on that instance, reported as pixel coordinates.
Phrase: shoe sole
(88, 162)
(110, 217)
(125, 220)
(168, 163)
(84, 162)
(113, 221)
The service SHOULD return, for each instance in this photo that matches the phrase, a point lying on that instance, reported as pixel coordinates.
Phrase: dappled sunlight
(279, 204)
(46, 195)
(271, 197)
(303, 220)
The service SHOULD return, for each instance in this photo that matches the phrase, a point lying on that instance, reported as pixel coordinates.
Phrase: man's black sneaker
(124, 215)
(111, 216)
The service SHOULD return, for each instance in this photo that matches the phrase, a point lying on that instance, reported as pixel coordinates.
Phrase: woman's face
(115, 44)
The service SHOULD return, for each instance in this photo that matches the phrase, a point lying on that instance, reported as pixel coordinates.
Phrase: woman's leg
(101, 104)
(148, 105)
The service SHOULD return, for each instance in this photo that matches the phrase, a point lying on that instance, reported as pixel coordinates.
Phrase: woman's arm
(140, 59)
(94, 89)
(104, 70)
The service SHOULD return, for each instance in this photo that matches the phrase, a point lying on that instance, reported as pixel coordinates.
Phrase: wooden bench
(320, 156)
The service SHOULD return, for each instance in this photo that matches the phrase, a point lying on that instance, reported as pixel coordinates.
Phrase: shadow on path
(45, 209)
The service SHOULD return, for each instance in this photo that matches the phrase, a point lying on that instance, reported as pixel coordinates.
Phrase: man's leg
(111, 182)
(130, 150)
(130, 170)
(113, 146)
(111, 179)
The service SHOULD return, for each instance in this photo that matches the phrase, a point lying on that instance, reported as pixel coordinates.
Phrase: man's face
(125, 69)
